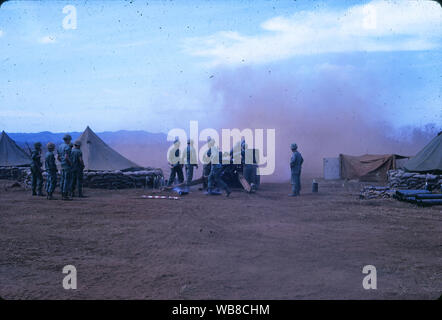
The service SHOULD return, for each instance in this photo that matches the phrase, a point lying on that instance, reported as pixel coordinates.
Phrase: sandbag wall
(115, 179)
(123, 180)
(14, 173)
(400, 179)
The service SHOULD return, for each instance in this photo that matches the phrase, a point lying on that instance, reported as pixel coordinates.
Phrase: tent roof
(11, 154)
(97, 155)
(429, 159)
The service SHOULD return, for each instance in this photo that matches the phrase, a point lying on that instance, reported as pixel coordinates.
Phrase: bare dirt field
(250, 246)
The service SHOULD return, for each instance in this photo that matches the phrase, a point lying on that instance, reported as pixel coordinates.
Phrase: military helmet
(67, 137)
(50, 146)
(293, 146)
(77, 143)
(37, 145)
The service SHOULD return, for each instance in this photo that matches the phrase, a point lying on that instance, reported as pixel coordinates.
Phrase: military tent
(98, 156)
(369, 167)
(11, 155)
(429, 159)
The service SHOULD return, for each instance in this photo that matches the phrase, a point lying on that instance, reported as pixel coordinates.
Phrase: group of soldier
(213, 166)
(72, 165)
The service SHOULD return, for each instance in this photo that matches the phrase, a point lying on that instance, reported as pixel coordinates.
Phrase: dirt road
(250, 246)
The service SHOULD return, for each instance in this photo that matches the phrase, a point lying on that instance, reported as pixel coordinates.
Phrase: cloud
(376, 26)
(1, 33)
(47, 40)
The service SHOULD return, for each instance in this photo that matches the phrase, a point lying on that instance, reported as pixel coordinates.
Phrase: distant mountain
(112, 138)
(142, 147)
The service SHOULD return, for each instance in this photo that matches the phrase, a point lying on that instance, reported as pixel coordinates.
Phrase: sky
(156, 65)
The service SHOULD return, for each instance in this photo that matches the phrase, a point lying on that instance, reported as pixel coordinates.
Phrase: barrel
(315, 186)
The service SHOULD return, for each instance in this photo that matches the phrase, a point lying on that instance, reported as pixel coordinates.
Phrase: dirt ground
(250, 246)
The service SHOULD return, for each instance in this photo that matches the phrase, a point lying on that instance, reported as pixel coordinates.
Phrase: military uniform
(190, 162)
(177, 167)
(207, 164)
(216, 171)
(206, 169)
(64, 153)
(36, 172)
(77, 171)
(296, 161)
(51, 170)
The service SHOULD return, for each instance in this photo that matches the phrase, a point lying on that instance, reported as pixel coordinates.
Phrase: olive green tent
(11, 155)
(429, 159)
(97, 155)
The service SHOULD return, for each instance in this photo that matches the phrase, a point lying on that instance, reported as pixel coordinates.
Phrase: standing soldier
(64, 154)
(37, 176)
(295, 166)
(249, 165)
(190, 161)
(77, 170)
(215, 172)
(176, 168)
(206, 159)
(51, 170)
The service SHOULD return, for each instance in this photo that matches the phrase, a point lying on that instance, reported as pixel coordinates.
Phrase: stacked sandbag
(14, 173)
(374, 192)
(148, 177)
(400, 179)
(123, 180)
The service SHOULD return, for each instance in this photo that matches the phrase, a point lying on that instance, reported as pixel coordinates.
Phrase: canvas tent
(98, 156)
(11, 155)
(429, 159)
(369, 167)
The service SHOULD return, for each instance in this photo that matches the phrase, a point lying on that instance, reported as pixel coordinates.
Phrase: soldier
(176, 168)
(36, 171)
(207, 164)
(215, 172)
(249, 164)
(295, 166)
(190, 161)
(51, 170)
(77, 170)
(64, 154)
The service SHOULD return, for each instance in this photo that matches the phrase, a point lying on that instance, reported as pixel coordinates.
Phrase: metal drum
(315, 187)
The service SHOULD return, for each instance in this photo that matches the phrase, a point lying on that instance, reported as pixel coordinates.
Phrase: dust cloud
(326, 114)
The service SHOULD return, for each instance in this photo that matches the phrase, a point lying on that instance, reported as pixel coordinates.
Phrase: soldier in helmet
(295, 166)
(190, 161)
(36, 171)
(51, 170)
(77, 169)
(176, 168)
(64, 156)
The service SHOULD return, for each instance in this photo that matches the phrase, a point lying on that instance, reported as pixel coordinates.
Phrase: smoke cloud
(326, 111)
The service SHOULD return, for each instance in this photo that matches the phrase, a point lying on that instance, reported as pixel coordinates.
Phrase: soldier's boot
(72, 194)
(33, 192)
(40, 193)
(293, 194)
(80, 194)
(228, 192)
(50, 197)
(65, 197)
